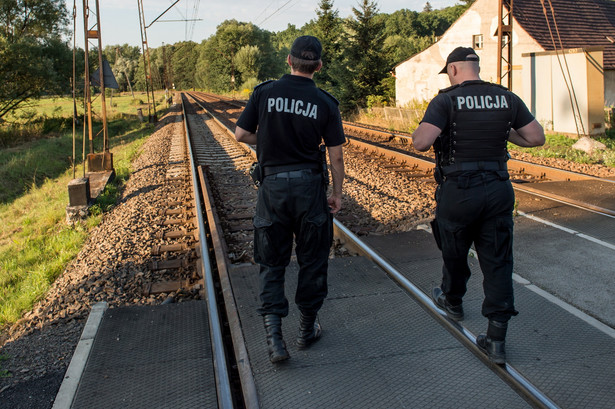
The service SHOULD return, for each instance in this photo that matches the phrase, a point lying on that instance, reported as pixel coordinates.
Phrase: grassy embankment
(36, 145)
(556, 146)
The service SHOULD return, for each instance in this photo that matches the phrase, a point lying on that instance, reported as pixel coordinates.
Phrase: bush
(376, 101)
(248, 86)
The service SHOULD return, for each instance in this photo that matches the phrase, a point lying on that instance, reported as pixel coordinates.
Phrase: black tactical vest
(479, 124)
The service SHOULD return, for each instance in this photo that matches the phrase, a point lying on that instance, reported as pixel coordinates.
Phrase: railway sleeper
(177, 234)
(178, 247)
(235, 227)
(404, 170)
(157, 265)
(182, 220)
(170, 286)
(171, 212)
(239, 216)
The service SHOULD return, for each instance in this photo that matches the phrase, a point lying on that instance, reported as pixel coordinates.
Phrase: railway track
(227, 163)
(228, 197)
(393, 151)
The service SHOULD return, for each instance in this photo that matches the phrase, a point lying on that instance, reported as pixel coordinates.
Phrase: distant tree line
(359, 53)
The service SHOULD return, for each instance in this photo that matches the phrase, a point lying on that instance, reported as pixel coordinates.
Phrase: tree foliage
(246, 61)
(182, 65)
(34, 59)
(329, 29)
(358, 52)
(363, 66)
(217, 68)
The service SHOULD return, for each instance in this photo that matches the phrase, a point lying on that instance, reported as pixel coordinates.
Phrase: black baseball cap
(460, 54)
(306, 48)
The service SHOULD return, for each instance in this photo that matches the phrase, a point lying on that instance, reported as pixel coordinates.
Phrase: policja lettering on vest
(292, 106)
(482, 102)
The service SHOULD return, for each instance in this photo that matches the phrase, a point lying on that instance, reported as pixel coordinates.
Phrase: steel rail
(223, 387)
(516, 165)
(427, 167)
(520, 384)
(248, 384)
(242, 358)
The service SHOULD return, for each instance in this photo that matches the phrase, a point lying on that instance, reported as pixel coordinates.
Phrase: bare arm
(530, 135)
(424, 136)
(244, 136)
(336, 159)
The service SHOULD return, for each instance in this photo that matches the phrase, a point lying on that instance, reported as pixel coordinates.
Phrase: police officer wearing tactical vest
(287, 120)
(469, 125)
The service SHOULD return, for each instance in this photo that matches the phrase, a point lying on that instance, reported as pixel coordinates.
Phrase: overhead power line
(275, 12)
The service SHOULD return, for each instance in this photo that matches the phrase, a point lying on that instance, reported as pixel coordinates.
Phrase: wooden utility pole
(104, 161)
(101, 77)
(504, 33)
(149, 85)
(87, 95)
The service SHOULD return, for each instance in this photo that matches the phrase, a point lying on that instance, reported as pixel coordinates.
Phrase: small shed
(564, 89)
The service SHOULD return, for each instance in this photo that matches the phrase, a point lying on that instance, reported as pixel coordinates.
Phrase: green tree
(246, 61)
(408, 32)
(184, 57)
(124, 60)
(282, 41)
(123, 70)
(34, 59)
(401, 23)
(363, 68)
(216, 69)
(329, 30)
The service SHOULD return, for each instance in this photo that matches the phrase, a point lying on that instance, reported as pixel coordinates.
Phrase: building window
(477, 41)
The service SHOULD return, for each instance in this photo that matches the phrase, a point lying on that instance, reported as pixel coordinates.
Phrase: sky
(119, 19)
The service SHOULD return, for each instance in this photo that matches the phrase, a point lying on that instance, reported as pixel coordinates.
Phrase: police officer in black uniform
(287, 120)
(469, 125)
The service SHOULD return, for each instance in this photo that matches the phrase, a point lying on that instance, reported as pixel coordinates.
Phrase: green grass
(560, 146)
(36, 244)
(50, 117)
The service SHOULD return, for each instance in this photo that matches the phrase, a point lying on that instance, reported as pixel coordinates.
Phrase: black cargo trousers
(292, 204)
(477, 207)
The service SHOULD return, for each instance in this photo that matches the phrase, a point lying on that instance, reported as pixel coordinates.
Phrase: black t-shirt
(439, 109)
(293, 117)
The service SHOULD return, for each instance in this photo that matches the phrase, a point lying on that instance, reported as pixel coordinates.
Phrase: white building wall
(417, 78)
(558, 83)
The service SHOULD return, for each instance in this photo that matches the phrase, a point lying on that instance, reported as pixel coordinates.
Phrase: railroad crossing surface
(380, 349)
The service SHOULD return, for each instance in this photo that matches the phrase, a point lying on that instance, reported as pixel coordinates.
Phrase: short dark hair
(304, 66)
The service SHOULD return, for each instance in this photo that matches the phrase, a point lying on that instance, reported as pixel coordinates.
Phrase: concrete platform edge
(68, 389)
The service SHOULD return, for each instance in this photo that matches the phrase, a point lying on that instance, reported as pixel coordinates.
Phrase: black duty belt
(294, 174)
(478, 165)
(272, 170)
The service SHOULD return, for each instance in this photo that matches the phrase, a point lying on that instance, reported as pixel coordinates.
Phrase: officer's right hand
(335, 203)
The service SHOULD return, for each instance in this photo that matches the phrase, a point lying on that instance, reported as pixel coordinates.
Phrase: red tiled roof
(581, 23)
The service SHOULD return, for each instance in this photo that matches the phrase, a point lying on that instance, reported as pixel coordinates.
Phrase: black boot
(493, 343)
(452, 311)
(275, 343)
(309, 330)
